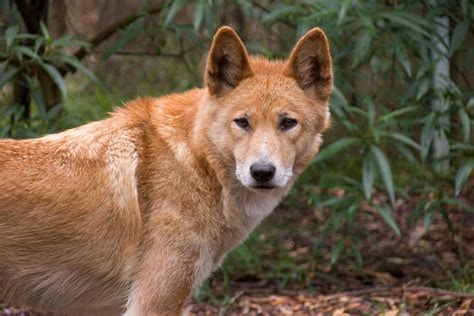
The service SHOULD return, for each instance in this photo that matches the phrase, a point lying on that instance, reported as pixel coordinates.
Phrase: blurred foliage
(384, 54)
(24, 57)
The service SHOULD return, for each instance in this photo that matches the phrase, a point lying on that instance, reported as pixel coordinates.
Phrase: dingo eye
(242, 122)
(287, 123)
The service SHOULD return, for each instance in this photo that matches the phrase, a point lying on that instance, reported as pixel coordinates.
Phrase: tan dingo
(130, 214)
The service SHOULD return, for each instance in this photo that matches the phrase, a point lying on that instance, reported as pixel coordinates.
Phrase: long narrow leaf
(465, 124)
(10, 35)
(446, 218)
(428, 218)
(405, 152)
(404, 20)
(336, 251)
(458, 36)
(394, 114)
(368, 175)
(386, 215)
(7, 76)
(427, 134)
(56, 77)
(130, 33)
(176, 6)
(335, 148)
(384, 170)
(462, 174)
(198, 14)
(403, 139)
(24, 50)
(402, 56)
(74, 62)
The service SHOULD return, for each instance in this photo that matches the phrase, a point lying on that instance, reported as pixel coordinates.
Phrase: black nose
(262, 172)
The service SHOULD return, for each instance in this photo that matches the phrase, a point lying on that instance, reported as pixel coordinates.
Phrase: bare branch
(112, 29)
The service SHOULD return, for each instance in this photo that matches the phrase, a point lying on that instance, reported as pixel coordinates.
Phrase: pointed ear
(310, 64)
(227, 63)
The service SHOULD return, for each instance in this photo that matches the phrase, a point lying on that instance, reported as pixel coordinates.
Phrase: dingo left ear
(227, 63)
(310, 64)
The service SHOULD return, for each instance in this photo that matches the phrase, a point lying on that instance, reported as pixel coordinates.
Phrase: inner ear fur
(227, 62)
(310, 64)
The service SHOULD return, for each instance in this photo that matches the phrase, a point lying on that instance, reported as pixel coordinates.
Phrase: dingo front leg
(164, 278)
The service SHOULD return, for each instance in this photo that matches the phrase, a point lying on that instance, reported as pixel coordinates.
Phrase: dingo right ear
(310, 64)
(227, 63)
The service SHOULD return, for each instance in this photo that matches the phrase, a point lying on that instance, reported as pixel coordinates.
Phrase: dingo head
(265, 118)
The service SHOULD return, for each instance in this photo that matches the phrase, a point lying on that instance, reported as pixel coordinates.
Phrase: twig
(138, 53)
(438, 292)
(112, 29)
(391, 289)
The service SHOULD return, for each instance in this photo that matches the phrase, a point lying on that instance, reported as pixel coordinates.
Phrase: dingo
(130, 214)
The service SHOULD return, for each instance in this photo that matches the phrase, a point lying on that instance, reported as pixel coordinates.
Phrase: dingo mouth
(264, 187)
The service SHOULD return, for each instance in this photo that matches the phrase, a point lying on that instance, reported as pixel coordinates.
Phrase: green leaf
(384, 119)
(352, 209)
(38, 43)
(470, 103)
(384, 171)
(403, 139)
(6, 76)
(10, 35)
(24, 50)
(423, 88)
(402, 56)
(130, 33)
(405, 152)
(37, 96)
(281, 12)
(340, 97)
(74, 62)
(408, 21)
(428, 218)
(446, 218)
(386, 215)
(370, 112)
(458, 36)
(356, 110)
(427, 134)
(466, 124)
(345, 5)
(69, 40)
(335, 148)
(175, 7)
(336, 252)
(56, 77)
(459, 203)
(198, 14)
(54, 111)
(357, 255)
(368, 175)
(462, 175)
(44, 31)
(362, 47)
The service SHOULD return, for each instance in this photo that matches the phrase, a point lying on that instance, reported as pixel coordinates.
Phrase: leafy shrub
(28, 62)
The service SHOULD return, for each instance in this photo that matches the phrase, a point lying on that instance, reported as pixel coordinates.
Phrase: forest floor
(278, 272)
(419, 273)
